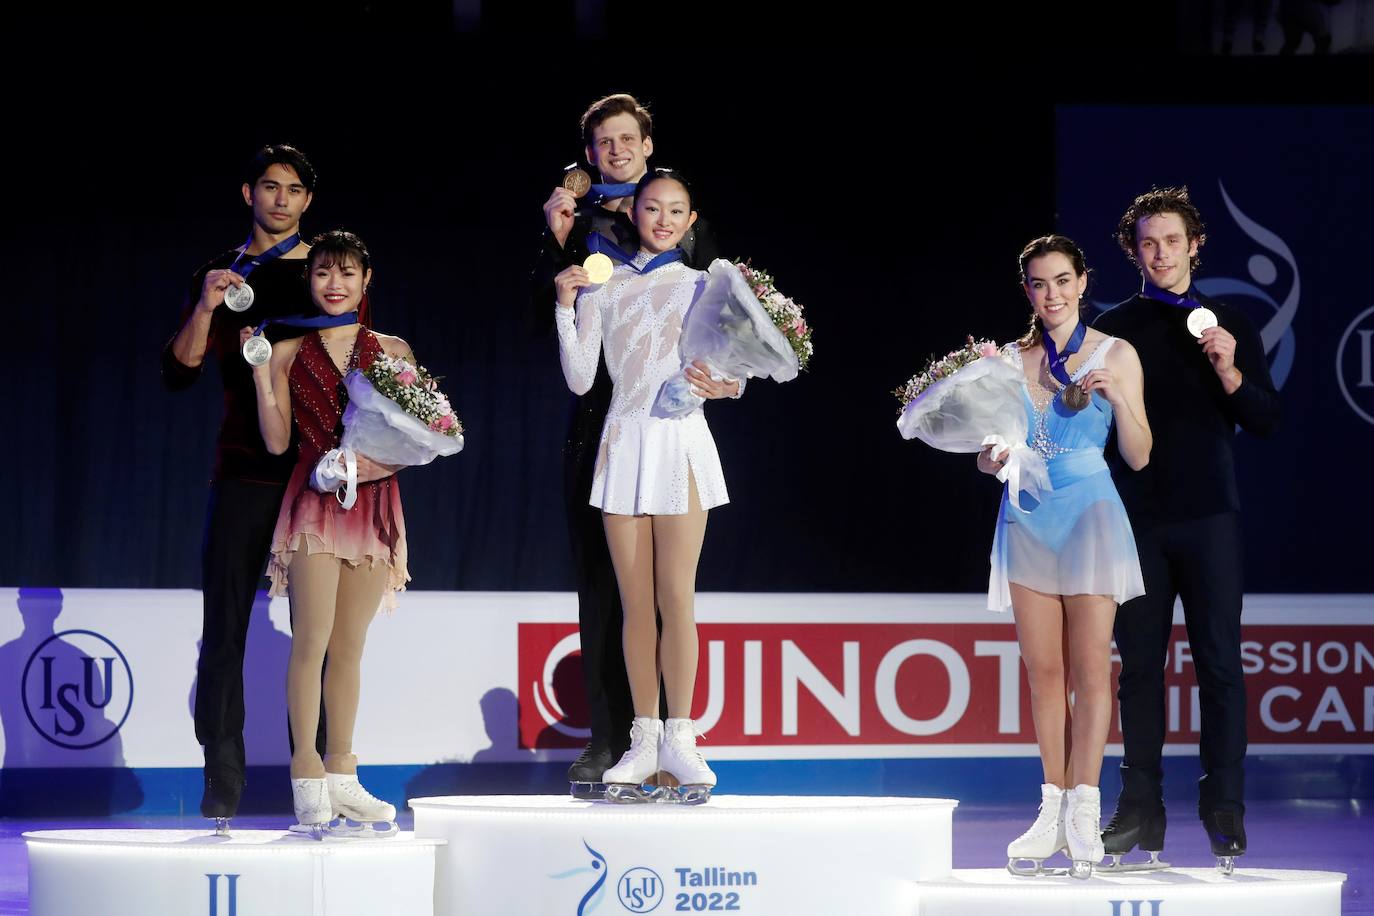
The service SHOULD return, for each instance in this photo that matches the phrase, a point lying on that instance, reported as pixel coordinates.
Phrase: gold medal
(598, 267)
(577, 181)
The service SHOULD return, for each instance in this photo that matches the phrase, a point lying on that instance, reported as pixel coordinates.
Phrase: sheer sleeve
(579, 339)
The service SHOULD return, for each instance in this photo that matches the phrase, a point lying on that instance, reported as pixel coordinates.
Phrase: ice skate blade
(623, 794)
(587, 791)
(222, 826)
(690, 794)
(1117, 867)
(349, 829)
(1226, 864)
(1081, 869)
(1037, 871)
(313, 831)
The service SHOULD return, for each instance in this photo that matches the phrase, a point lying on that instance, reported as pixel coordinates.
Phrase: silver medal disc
(239, 298)
(1200, 319)
(256, 350)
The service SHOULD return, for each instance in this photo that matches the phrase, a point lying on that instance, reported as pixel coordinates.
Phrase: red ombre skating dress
(374, 530)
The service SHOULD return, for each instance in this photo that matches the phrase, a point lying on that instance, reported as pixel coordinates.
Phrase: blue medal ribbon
(1056, 359)
(600, 193)
(599, 244)
(257, 260)
(318, 321)
(1150, 291)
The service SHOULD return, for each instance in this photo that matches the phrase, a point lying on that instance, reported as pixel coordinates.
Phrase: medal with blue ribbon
(1074, 396)
(1200, 317)
(257, 350)
(240, 298)
(604, 252)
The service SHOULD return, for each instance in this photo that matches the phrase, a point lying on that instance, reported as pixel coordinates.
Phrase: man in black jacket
(618, 135)
(248, 484)
(1205, 374)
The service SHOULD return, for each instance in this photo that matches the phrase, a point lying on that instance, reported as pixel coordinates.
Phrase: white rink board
(430, 669)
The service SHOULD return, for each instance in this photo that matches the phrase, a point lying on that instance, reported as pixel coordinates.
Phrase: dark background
(886, 171)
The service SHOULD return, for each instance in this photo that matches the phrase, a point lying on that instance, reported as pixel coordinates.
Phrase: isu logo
(77, 689)
(1355, 365)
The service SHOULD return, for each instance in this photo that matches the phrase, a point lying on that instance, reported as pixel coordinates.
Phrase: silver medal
(1200, 319)
(239, 298)
(256, 350)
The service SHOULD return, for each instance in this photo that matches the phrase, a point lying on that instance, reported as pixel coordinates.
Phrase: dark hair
(280, 154)
(1038, 248)
(1153, 203)
(335, 247)
(671, 175)
(612, 105)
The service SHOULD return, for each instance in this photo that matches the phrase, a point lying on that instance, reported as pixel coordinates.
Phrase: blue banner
(1285, 196)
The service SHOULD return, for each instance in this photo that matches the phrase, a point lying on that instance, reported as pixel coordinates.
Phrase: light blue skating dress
(1077, 540)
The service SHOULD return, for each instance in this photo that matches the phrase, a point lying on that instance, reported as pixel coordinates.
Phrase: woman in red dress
(338, 565)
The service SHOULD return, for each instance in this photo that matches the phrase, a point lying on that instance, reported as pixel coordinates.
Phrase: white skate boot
(359, 812)
(1083, 829)
(625, 781)
(313, 811)
(679, 757)
(1044, 838)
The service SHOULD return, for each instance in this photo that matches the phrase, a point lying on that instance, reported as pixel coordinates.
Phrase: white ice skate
(313, 810)
(679, 757)
(625, 781)
(1083, 829)
(358, 811)
(1044, 838)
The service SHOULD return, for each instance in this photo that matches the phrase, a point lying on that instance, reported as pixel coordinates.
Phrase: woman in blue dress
(1064, 563)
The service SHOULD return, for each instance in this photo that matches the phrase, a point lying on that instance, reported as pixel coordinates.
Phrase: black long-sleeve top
(279, 290)
(1193, 420)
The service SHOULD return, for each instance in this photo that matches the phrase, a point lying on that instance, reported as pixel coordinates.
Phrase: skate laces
(683, 738)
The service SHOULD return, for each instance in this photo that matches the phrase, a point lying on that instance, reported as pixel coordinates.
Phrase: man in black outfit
(1200, 383)
(248, 484)
(617, 132)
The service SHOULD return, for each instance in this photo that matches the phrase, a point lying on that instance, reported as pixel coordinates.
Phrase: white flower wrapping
(728, 329)
(980, 405)
(378, 427)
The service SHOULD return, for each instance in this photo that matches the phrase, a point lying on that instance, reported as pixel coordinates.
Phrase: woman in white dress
(655, 477)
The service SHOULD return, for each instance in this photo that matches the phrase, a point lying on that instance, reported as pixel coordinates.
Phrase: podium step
(181, 872)
(739, 854)
(1171, 892)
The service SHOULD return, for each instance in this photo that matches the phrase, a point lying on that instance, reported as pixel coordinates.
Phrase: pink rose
(988, 349)
(406, 377)
(445, 422)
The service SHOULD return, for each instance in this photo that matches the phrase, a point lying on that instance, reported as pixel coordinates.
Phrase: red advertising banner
(910, 689)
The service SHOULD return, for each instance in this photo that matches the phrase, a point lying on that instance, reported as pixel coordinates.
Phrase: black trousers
(1198, 560)
(238, 535)
(600, 617)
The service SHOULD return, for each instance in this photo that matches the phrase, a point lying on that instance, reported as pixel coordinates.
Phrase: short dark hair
(280, 154)
(335, 247)
(612, 105)
(1153, 203)
(671, 175)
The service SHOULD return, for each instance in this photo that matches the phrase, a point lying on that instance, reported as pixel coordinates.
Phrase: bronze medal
(1075, 398)
(577, 181)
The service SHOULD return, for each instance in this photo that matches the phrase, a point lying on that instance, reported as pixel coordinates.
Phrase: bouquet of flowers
(968, 400)
(396, 415)
(786, 313)
(741, 327)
